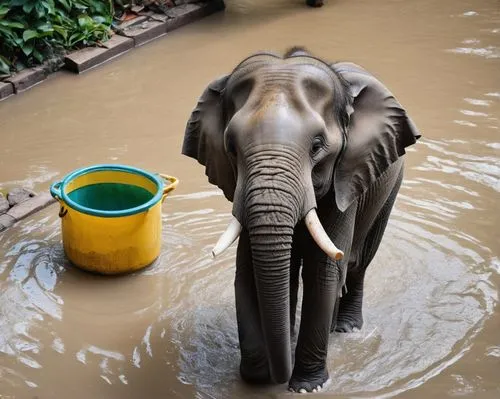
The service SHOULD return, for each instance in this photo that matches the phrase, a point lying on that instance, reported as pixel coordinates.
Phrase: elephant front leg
(254, 367)
(320, 281)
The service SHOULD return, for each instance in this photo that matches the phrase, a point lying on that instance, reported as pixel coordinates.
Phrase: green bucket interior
(110, 196)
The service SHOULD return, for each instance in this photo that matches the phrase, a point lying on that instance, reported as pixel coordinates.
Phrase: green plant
(87, 22)
(34, 30)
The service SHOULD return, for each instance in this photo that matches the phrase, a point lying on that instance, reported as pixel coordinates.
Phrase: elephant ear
(204, 137)
(379, 131)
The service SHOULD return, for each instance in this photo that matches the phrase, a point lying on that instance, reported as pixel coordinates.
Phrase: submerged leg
(350, 310)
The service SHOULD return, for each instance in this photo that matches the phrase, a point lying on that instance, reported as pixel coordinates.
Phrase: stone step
(24, 209)
(6, 90)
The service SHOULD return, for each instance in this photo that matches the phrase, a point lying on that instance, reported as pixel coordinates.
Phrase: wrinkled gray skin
(281, 136)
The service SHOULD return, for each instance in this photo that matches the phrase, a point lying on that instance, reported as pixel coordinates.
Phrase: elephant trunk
(272, 211)
(271, 260)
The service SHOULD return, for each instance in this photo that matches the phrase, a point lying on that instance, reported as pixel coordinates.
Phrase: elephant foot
(255, 374)
(309, 382)
(315, 3)
(350, 312)
(348, 325)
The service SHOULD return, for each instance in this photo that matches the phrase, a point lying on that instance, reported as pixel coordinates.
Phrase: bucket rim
(155, 178)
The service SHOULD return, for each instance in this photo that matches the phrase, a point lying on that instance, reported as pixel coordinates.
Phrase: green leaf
(62, 20)
(74, 38)
(63, 32)
(29, 34)
(79, 6)
(65, 4)
(28, 7)
(47, 27)
(11, 24)
(3, 11)
(27, 48)
(85, 21)
(45, 34)
(7, 33)
(40, 10)
(15, 3)
(49, 6)
(4, 66)
(38, 55)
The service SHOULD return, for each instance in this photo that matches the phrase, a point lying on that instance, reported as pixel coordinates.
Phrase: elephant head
(276, 135)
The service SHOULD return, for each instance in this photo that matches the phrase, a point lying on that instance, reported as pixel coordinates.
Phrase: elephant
(315, 3)
(311, 155)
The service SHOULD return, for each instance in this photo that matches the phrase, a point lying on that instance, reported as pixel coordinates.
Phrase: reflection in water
(170, 330)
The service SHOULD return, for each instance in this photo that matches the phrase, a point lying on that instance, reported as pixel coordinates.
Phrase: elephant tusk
(319, 235)
(228, 237)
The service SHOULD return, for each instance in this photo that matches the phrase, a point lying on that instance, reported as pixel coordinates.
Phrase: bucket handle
(170, 187)
(55, 191)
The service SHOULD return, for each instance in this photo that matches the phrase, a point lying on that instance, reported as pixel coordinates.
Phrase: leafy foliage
(34, 30)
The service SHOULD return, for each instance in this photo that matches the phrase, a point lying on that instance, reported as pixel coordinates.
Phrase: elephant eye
(318, 143)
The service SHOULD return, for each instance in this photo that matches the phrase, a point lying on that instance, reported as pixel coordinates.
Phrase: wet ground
(431, 318)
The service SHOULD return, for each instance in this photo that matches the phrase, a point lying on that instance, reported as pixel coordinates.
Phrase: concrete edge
(25, 209)
(31, 77)
(26, 79)
(82, 60)
(195, 14)
(145, 32)
(6, 90)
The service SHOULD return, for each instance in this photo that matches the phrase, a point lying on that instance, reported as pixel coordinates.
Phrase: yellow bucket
(111, 217)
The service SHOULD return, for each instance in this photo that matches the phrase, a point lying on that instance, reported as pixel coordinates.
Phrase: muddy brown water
(432, 326)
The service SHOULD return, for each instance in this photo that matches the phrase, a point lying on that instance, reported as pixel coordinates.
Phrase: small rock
(18, 195)
(6, 221)
(4, 204)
